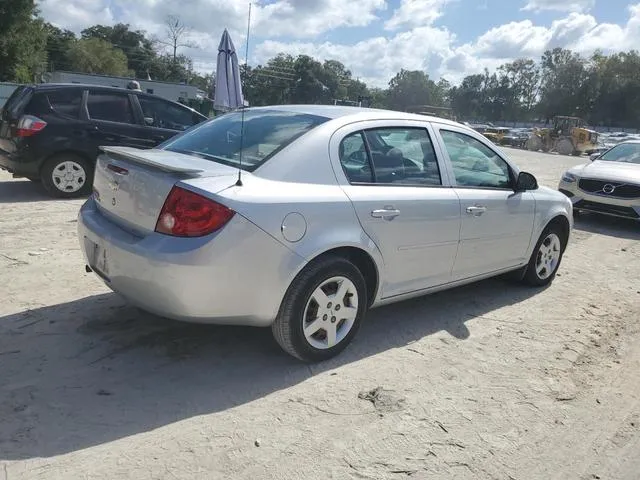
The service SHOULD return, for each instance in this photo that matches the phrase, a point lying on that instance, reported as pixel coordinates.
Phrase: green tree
(92, 55)
(22, 41)
(59, 43)
(141, 56)
(411, 88)
(564, 77)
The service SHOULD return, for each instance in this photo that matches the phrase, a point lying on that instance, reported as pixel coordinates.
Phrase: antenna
(246, 64)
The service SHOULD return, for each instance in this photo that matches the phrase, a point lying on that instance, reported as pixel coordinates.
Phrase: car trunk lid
(131, 185)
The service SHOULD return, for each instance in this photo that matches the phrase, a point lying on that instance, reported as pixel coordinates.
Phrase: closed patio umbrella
(228, 94)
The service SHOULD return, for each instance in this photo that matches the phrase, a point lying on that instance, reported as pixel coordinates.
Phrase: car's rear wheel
(67, 176)
(546, 257)
(322, 310)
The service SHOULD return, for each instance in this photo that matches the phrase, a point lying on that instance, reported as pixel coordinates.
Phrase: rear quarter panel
(330, 220)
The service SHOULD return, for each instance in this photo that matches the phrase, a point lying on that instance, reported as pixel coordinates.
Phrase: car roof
(356, 113)
(56, 86)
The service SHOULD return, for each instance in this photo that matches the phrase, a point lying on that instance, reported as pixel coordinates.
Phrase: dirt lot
(490, 381)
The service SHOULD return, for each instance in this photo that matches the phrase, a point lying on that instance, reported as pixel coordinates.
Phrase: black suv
(51, 132)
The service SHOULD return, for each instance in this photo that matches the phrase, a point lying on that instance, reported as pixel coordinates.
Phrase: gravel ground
(489, 381)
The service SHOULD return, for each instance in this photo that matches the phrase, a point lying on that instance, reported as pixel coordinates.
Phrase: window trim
(513, 172)
(367, 147)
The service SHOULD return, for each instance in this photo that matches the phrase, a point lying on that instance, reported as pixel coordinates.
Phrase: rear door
(112, 120)
(401, 195)
(165, 119)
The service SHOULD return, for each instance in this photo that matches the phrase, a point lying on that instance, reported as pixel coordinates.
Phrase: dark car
(51, 132)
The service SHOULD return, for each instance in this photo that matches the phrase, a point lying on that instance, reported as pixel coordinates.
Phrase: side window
(475, 164)
(402, 156)
(161, 114)
(354, 159)
(110, 106)
(66, 102)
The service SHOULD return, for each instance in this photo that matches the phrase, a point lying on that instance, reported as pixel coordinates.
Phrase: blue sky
(375, 38)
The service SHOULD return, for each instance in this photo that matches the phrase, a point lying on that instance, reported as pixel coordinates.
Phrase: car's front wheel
(67, 176)
(546, 257)
(322, 310)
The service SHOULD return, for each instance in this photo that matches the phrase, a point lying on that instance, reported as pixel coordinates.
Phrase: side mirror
(525, 182)
(149, 121)
(593, 156)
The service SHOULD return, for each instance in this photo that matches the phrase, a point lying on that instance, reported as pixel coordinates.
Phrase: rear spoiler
(160, 159)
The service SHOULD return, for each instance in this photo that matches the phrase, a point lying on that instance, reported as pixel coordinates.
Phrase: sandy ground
(489, 381)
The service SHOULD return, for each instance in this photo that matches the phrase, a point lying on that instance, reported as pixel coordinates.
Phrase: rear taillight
(29, 125)
(187, 214)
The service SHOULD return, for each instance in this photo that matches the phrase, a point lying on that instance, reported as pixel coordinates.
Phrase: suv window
(110, 106)
(16, 102)
(162, 114)
(396, 156)
(475, 164)
(66, 102)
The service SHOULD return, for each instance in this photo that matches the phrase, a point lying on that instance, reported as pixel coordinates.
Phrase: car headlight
(569, 177)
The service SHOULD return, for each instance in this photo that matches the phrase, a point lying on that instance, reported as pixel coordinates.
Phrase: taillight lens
(187, 214)
(29, 125)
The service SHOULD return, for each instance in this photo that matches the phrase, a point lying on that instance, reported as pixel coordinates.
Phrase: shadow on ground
(95, 370)
(610, 226)
(18, 191)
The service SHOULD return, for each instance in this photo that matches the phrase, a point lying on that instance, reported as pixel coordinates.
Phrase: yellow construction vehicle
(496, 134)
(568, 136)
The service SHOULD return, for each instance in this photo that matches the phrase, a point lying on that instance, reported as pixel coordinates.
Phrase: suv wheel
(67, 176)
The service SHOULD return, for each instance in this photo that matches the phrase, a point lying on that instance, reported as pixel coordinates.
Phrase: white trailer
(168, 90)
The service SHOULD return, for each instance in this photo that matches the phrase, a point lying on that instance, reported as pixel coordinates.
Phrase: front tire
(67, 176)
(546, 257)
(322, 310)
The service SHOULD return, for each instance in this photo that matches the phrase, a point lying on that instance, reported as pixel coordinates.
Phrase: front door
(164, 119)
(396, 188)
(497, 223)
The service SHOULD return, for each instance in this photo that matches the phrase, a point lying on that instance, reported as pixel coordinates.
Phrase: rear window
(66, 102)
(266, 132)
(16, 102)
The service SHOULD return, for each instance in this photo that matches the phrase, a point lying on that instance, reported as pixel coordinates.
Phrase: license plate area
(98, 258)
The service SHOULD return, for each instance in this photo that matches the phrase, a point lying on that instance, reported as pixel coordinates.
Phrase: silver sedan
(303, 217)
(609, 185)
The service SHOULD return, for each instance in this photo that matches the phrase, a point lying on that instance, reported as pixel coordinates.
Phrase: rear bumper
(602, 204)
(236, 276)
(19, 164)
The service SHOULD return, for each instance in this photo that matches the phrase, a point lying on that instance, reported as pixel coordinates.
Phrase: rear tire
(317, 320)
(546, 257)
(67, 175)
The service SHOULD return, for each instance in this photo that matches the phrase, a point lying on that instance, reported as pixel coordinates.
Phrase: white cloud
(76, 15)
(309, 18)
(293, 26)
(377, 59)
(416, 13)
(559, 5)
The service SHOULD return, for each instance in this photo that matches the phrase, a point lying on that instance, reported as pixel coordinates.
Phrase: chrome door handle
(385, 213)
(476, 210)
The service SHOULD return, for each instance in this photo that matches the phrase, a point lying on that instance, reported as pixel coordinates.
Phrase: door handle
(476, 210)
(386, 213)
